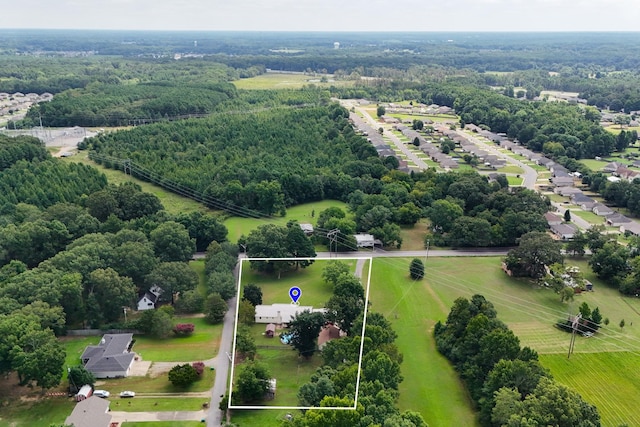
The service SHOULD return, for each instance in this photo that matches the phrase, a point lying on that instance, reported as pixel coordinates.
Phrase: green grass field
(39, 413)
(156, 384)
(163, 424)
(514, 180)
(302, 213)
(588, 216)
(172, 202)
(315, 292)
(155, 404)
(287, 81)
(510, 169)
(594, 165)
(609, 380)
(201, 345)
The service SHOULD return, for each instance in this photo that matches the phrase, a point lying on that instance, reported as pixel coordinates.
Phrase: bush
(199, 367)
(183, 375)
(189, 302)
(184, 329)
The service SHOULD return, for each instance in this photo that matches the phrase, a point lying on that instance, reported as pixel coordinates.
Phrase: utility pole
(427, 254)
(574, 329)
(333, 237)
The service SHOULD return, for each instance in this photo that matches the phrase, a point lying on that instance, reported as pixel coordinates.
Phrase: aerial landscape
(272, 215)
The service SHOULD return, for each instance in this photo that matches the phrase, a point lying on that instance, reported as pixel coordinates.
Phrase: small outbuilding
(270, 330)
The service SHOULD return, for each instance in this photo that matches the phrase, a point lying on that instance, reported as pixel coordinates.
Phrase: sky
(324, 15)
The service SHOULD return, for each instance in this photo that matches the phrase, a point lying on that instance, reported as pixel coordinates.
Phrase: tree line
(507, 383)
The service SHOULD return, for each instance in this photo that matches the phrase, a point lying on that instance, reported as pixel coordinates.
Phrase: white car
(101, 393)
(127, 394)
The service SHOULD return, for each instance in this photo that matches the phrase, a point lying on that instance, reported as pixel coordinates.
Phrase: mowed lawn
(611, 381)
(40, 413)
(201, 345)
(287, 81)
(163, 424)
(307, 212)
(430, 384)
(315, 292)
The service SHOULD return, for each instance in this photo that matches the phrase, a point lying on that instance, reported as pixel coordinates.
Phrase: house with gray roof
(111, 358)
(631, 227)
(91, 412)
(564, 231)
(616, 220)
(601, 209)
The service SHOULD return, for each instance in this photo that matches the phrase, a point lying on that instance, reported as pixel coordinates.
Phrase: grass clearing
(594, 165)
(172, 202)
(201, 345)
(307, 212)
(288, 81)
(43, 412)
(156, 384)
(199, 267)
(609, 380)
(315, 292)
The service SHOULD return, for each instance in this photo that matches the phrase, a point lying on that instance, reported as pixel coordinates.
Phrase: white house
(281, 313)
(149, 299)
(602, 210)
(364, 240)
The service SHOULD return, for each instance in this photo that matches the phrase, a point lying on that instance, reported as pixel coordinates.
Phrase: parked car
(127, 394)
(101, 393)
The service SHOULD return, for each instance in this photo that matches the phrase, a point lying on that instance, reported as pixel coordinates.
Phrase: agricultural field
(289, 81)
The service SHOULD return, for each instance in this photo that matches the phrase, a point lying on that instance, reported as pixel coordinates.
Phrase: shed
(270, 330)
(84, 392)
(307, 228)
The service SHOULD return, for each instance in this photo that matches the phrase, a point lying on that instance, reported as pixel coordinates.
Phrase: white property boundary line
(364, 324)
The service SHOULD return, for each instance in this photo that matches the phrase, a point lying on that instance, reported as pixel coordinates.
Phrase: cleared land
(307, 212)
(288, 81)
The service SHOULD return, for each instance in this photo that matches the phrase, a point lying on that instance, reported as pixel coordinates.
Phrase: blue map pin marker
(295, 293)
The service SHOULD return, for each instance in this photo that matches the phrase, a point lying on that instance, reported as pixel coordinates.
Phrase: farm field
(307, 212)
(288, 81)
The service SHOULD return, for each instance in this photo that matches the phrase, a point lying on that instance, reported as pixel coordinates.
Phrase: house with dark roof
(611, 167)
(562, 181)
(91, 412)
(616, 220)
(111, 358)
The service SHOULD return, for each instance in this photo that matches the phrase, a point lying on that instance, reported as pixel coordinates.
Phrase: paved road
(575, 219)
(222, 363)
(530, 174)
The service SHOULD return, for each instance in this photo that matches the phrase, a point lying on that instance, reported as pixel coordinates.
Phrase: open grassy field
(609, 380)
(163, 424)
(201, 345)
(39, 413)
(594, 165)
(315, 292)
(510, 169)
(307, 212)
(172, 202)
(588, 216)
(288, 81)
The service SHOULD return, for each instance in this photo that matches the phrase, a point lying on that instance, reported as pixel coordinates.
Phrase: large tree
(347, 302)
(171, 242)
(252, 383)
(111, 291)
(305, 327)
(173, 278)
(535, 251)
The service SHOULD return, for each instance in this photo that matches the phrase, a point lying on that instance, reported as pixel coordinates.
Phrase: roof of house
(551, 217)
(563, 229)
(91, 412)
(150, 296)
(632, 227)
(306, 227)
(602, 208)
(110, 355)
(286, 311)
(617, 218)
